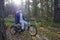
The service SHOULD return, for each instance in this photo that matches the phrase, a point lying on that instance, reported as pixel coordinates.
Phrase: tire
(32, 30)
(12, 30)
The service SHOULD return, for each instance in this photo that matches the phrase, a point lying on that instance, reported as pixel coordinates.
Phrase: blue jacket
(17, 18)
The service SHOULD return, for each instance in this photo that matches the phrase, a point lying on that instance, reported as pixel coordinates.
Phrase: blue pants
(23, 23)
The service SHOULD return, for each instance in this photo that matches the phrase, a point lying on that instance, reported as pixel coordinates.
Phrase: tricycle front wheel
(32, 30)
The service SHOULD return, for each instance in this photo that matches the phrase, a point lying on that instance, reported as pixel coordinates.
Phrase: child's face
(20, 11)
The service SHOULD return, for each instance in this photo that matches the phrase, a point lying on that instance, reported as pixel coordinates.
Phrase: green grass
(45, 23)
(8, 23)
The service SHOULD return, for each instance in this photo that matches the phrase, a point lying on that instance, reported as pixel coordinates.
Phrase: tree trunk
(35, 9)
(56, 11)
(2, 25)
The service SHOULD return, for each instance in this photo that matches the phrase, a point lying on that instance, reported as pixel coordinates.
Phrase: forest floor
(43, 33)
